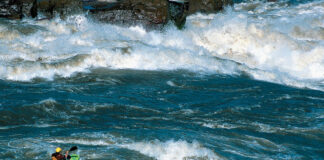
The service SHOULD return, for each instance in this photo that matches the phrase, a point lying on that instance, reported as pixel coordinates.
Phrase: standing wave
(264, 40)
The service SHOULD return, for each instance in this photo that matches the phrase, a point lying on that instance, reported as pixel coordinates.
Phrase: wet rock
(207, 6)
(128, 12)
(10, 9)
(26, 6)
(16, 9)
(178, 11)
(149, 13)
(50, 8)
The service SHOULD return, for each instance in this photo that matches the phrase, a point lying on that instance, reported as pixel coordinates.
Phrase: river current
(245, 83)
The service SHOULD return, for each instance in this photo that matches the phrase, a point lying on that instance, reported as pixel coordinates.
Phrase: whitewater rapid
(273, 42)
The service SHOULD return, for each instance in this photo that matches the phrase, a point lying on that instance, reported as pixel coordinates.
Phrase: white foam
(168, 150)
(171, 83)
(48, 101)
(30, 125)
(88, 142)
(223, 125)
(274, 46)
(172, 150)
(262, 46)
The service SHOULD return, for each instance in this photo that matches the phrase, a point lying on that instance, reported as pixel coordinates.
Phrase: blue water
(243, 84)
(233, 117)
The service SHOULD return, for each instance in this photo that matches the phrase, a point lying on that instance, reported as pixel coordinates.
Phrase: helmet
(58, 149)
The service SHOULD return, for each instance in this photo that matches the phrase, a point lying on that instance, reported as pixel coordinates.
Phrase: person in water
(57, 155)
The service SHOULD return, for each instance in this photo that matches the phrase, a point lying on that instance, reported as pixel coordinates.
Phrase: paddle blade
(73, 148)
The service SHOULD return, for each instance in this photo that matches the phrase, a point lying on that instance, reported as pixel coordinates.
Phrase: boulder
(207, 6)
(16, 9)
(128, 12)
(27, 8)
(149, 13)
(49, 8)
(10, 9)
(178, 11)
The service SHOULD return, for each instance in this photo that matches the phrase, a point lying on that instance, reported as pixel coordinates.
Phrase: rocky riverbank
(150, 13)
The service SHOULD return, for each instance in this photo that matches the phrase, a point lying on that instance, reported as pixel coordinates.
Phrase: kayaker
(57, 155)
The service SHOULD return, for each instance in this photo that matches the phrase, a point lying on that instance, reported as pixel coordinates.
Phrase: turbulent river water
(245, 83)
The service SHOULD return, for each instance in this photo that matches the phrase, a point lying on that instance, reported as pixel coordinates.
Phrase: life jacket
(57, 156)
(74, 157)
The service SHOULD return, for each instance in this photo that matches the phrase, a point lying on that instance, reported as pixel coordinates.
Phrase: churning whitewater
(265, 41)
(244, 83)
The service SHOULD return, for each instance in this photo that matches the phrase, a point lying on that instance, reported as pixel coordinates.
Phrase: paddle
(73, 148)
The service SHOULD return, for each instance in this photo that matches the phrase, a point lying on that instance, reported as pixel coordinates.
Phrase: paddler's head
(58, 150)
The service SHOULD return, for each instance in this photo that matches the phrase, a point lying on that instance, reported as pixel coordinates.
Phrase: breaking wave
(173, 150)
(257, 39)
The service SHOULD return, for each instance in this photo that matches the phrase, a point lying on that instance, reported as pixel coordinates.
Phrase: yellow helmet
(58, 149)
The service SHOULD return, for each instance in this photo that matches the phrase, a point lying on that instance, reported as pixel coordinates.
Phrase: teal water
(115, 114)
(246, 83)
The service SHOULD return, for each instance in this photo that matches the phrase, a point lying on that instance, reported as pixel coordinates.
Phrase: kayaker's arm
(66, 154)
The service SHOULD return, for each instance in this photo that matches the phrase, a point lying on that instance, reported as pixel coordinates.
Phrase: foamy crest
(172, 150)
(265, 44)
(169, 150)
(258, 39)
(79, 141)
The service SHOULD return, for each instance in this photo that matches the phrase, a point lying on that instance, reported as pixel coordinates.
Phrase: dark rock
(178, 11)
(149, 13)
(129, 12)
(207, 6)
(16, 9)
(26, 7)
(10, 9)
(49, 8)
(33, 10)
